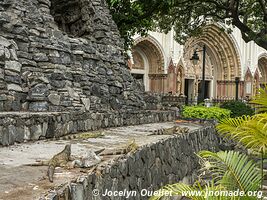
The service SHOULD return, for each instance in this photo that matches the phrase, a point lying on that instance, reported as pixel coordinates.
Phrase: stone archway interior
(222, 62)
(262, 63)
(149, 61)
(152, 53)
(138, 60)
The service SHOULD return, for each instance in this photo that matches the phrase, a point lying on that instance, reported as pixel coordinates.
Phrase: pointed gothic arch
(262, 66)
(149, 61)
(248, 79)
(222, 60)
(153, 51)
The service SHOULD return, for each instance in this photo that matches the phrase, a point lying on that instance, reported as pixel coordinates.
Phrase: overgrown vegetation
(238, 108)
(201, 112)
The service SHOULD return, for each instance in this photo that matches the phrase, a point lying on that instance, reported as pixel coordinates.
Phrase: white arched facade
(227, 58)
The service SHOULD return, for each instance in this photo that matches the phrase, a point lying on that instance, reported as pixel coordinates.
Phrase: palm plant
(196, 192)
(251, 131)
(231, 171)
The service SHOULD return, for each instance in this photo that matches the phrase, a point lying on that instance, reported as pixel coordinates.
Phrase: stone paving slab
(25, 182)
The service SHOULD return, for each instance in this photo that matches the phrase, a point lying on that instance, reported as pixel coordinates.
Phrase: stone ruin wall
(61, 61)
(154, 165)
(63, 55)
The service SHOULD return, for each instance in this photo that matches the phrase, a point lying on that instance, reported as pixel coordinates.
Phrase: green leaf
(234, 169)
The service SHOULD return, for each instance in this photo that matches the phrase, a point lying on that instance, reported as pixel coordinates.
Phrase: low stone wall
(167, 161)
(26, 126)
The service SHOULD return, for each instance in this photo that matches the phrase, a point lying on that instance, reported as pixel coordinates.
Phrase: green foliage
(261, 100)
(134, 17)
(251, 131)
(238, 108)
(202, 112)
(187, 17)
(195, 192)
(234, 170)
(231, 171)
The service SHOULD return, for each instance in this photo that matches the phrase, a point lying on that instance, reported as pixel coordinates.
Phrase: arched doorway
(148, 64)
(222, 63)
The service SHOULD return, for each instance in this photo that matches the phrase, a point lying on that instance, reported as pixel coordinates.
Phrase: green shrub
(201, 112)
(238, 108)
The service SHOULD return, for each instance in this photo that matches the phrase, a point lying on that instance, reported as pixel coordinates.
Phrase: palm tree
(231, 171)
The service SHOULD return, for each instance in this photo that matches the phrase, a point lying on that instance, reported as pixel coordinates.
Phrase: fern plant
(261, 100)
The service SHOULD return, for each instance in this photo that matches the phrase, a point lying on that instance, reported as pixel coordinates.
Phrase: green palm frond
(231, 124)
(261, 100)
(261, 118)
(197, 192)
(251, 131)
(233, 170)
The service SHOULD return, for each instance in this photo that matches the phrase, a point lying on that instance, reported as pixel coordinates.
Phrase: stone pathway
(26, 182)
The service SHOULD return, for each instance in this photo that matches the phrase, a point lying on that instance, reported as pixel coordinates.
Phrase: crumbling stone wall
(168, 161)
(63, 55)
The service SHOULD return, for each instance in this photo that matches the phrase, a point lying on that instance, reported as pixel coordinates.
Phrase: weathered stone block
(54, 99)
(14, 87)
(87, 103)
(27, 133)
(3, 97)
(13, 66)
(36, 132)
(40, 57)
(38, 106)
(11, 129)
(77, 191)
(4, 42)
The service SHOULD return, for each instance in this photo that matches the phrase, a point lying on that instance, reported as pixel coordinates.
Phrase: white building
(165, 66)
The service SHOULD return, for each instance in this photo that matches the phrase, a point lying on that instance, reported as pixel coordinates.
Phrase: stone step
(149, 160)
(18, 127)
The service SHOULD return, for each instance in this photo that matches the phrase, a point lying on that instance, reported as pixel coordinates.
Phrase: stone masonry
(63, 58)
(20, 127)
(63, 55)
(160, 159)
(167, 161)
